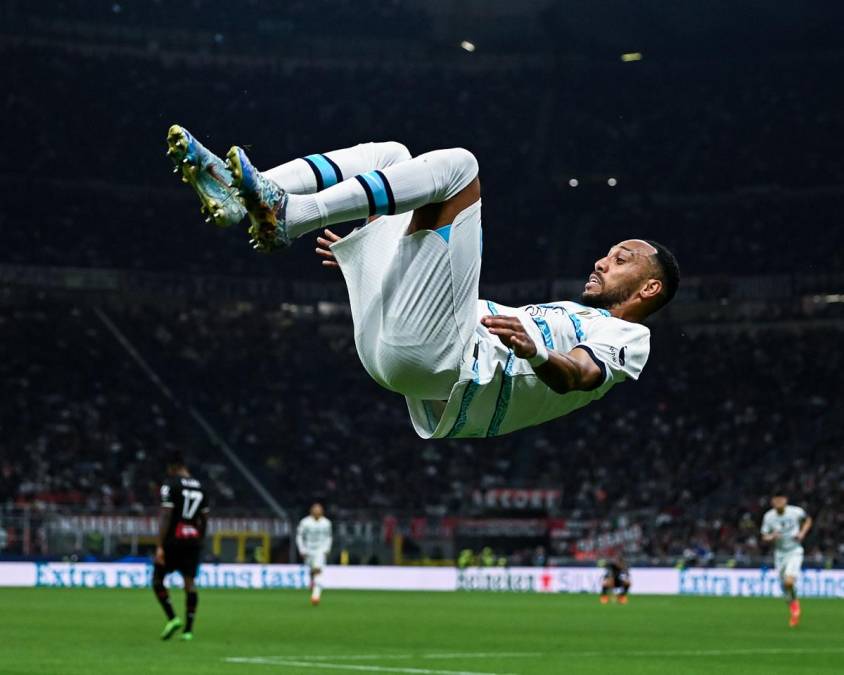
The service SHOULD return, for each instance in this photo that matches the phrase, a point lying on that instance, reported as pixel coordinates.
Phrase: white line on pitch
(480, 655)
(388, 656)
(348, 666)
(762, 651)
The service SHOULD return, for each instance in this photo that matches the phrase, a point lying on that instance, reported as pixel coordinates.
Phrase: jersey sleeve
(800, 513)
(766, 528)
(619, 348)
(166, 494)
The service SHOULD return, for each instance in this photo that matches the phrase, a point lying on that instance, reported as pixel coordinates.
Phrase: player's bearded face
(607, 290)
(619, 275)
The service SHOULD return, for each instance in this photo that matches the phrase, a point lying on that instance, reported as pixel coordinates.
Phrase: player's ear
(650, 289)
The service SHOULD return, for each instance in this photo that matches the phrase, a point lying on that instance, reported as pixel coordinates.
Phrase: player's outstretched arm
(165, 513)
(572, 371)
(804, 530)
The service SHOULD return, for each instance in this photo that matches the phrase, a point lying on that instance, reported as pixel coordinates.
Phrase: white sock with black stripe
(427, 179)
(316, 172)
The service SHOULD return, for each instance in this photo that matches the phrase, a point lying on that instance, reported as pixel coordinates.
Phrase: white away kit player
(787, 526)
(467, 367)
(313, 539)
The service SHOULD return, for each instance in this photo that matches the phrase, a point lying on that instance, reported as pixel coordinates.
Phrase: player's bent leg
(414, 289)
(207, 174)
(623, 593)
(313, 173)
(173, 622)
(278, 217)
(790, 592)
(316, 585)
(191, 603)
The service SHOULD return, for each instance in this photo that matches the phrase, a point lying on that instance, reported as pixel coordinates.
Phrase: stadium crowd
(729, 166)
(85, 426)
(725, 159)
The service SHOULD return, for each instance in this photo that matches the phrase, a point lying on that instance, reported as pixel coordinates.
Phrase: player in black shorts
(617, 577)
(181, 528)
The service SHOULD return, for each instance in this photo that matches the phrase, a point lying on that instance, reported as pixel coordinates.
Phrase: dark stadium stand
(721, 177)
(725, 156)
(86, 426)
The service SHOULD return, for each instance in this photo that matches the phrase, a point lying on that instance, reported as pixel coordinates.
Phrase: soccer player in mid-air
(313, 539)
(182, 521)
(617, 577)
(467, 367)
(786, 527)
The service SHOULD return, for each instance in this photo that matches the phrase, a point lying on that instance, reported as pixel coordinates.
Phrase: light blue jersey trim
(578, 329)
(545, 329)
(468, 395)
(379, 192)
(491, 306)
(444, 232)
(329, 176)
(463, 414)
(503, 397)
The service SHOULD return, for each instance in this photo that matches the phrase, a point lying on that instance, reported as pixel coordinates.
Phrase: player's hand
(512, 333)
(159, 555)
(799, 537)
(323, 250)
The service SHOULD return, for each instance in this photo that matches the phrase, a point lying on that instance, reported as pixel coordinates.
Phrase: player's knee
(395, 152)
(464, 167)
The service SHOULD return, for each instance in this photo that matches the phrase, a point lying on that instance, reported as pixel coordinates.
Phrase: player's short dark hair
(175, 458)
(668, 270)
(779, 491)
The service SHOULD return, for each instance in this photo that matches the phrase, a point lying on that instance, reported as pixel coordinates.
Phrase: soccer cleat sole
(263, 228)
(182, 153)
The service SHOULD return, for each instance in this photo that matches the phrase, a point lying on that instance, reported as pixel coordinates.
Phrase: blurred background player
(313, 539)
(181, 528)
(787, 526)
(617, 577)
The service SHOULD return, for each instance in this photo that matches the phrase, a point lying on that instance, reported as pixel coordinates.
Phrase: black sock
(161, 592)
(191, 601)
(791, 594)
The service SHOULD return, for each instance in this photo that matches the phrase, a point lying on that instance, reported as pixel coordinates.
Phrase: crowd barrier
(651, 580)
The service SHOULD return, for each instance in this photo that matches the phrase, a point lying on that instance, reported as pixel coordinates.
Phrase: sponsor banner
(502, 527)
(646, 580)
(147, 526)
(531, 579)
(390, 578)
(758, 582)
(516, 499)
(599, 545)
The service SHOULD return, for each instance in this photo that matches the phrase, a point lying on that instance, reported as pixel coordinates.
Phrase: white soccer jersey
(787, 524)
(314, 536)
(498, 393)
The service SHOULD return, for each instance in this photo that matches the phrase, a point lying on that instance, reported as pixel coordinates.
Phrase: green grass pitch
(85, 632)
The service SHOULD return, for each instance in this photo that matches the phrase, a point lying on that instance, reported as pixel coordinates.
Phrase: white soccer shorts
(789, 564)
(413, 299)
(316, 561)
